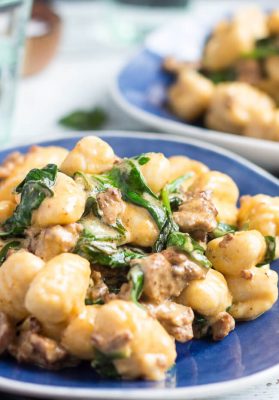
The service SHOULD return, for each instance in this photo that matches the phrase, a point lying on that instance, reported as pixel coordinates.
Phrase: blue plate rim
(194, 392)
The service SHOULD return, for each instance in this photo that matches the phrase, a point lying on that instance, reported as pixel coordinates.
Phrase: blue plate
(203, 368)
(140, 89)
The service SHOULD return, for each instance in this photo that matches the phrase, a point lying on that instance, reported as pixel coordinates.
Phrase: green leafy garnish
(172, 190)
(34, 189)
(225, 75)
(136, 276)
(264, 48)
(270, 251)
(85, 120)
(127, 177)
(15, 244)
(103, 364)
(91, 302)
(104, 251)
(142, 159)
(222, 229)
(174, 186)
(183, 241)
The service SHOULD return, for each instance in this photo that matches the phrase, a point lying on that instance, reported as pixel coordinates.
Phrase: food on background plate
(234, 87)
(112, 260)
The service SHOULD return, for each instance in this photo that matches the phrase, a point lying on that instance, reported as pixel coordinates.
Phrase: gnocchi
(114, 264)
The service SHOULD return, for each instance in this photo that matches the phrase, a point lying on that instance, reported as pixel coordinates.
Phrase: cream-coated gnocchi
(64, 207)
(141, 228)
(273, 22)
(207, 296)
(146, 347)
(58, 292)
(16, 275)
(77, 337)
(37, 157)
(7, 208)
(112, 268)
(224, 194)
(90, 155)
(260, 212)
(191, 94)
(255, 295)
(156, 171)
(181, 165)
(233, 253)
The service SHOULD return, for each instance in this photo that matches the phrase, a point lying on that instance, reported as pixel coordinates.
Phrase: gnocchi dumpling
(147, 350)
(273, 22)
(233, 253)
(7, 208)
(64, 207)
(16, 275)
(181, 165)
(190, 95)
(224, 194)
(77, 337)
(141, 228)
(90, 155)
(254, 296)
(260, 212)
(207, 296)
(37, 157)
(156, 171)
(58, 292)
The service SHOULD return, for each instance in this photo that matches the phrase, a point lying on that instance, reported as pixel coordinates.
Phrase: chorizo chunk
(111, 205)
(197, 213)
(7, 332)
(31, 347)
(50, 242)
(162, 279)
(175, 318)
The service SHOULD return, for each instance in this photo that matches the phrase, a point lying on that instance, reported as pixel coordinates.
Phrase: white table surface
(79, 77)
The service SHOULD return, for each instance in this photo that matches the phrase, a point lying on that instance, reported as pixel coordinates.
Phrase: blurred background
(72, 52)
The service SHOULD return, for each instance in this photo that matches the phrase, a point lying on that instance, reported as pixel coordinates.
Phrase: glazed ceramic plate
(203, 368)
(140, 90)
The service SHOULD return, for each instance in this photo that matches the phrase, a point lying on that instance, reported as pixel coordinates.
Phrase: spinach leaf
(103, 364)
(104, 251)
(127, 177)
(85, 120)
(183, 241)
(142, 159)
(93, 187)
(270, 251)
(137, 278)
(264, 48)
(222, 229)
(90, 302)
(225, 75)
(34, 189)
(173, 187)
(169, 224)
(15, 244)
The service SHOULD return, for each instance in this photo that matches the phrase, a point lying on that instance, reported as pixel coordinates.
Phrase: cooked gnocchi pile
(111, 260)
(235, 86)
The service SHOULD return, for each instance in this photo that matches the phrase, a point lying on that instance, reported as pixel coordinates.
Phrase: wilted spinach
(103, 364)
(183, 241)
(270, 251)
(85, 120)
(104, 251)
(33, 189)
(222, 229)
(136, 276)
(15, 244)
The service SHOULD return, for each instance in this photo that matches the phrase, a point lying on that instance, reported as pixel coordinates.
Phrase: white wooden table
(79, 77)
